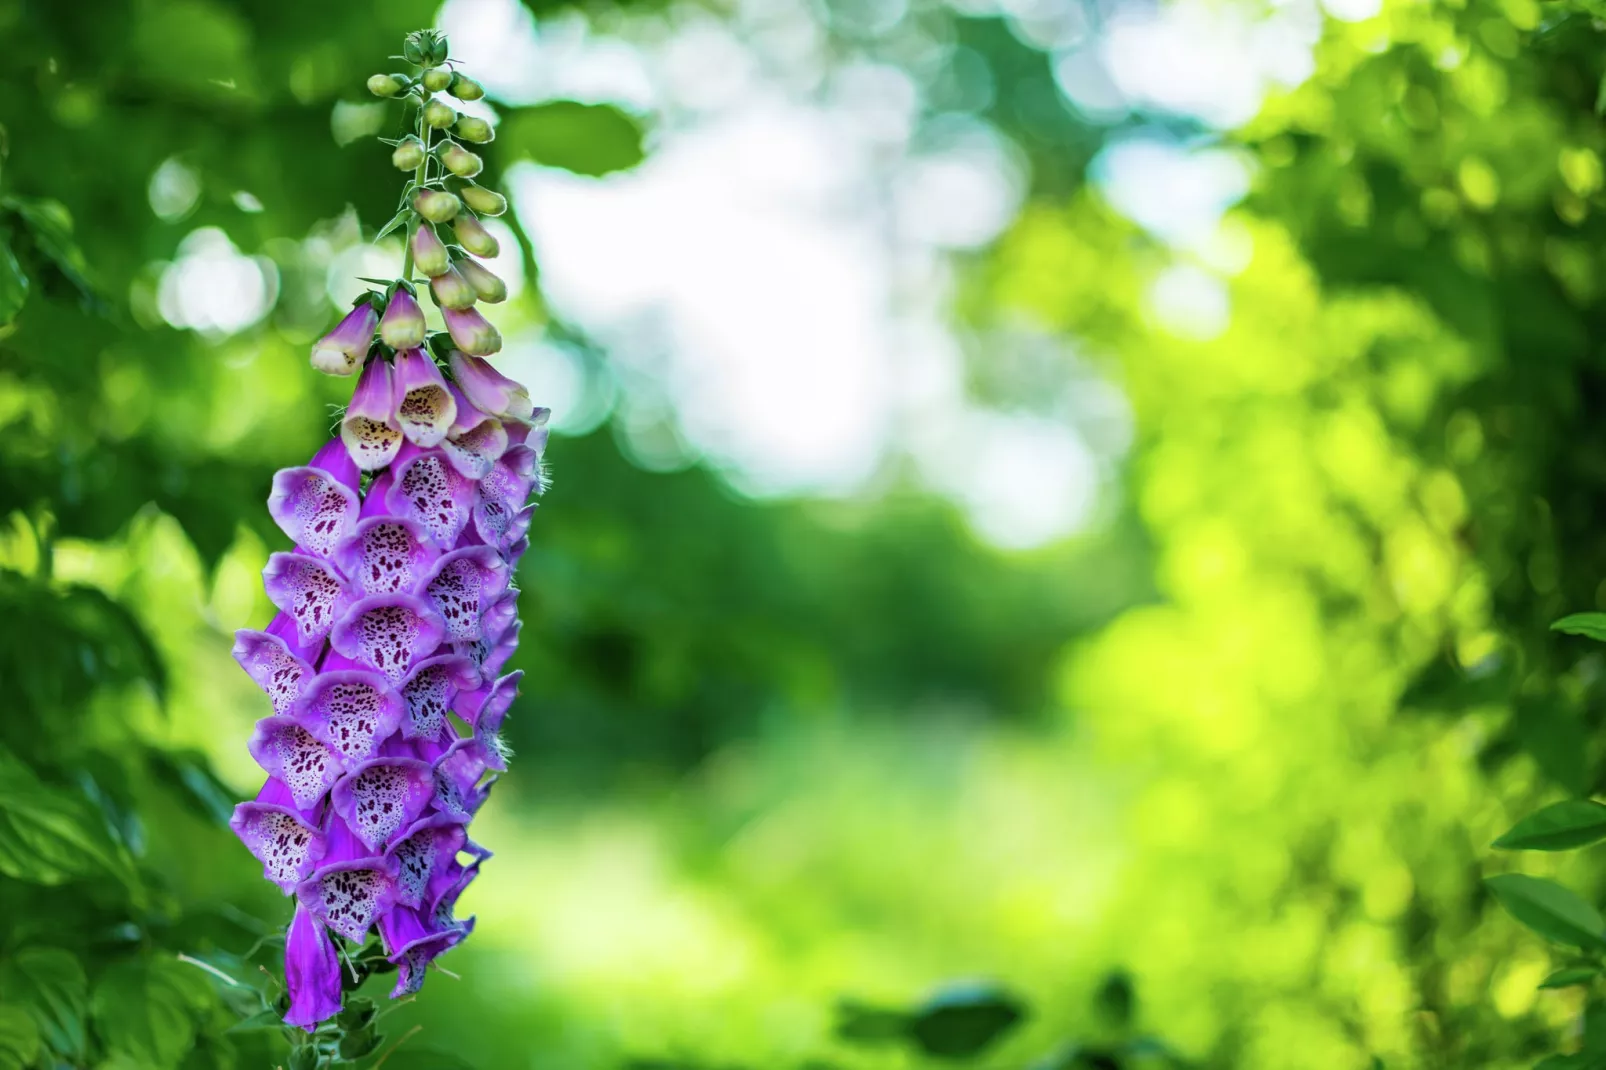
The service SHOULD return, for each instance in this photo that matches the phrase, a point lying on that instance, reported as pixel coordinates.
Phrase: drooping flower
(369, 428)
(341, 351)
(402, 326)
(488, 389)
(429, 252)
(451, 289)
(397, 616)
(425, 408)
(471, 332)
(484, 201)
(472, 235)
(488, 286)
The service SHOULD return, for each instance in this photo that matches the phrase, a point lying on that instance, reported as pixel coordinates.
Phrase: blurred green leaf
(1559, 827)
(1116, 1001)
(266, 1019)
(588, 139)
(148, 1006)
(1550, 910)
(1581, 1061)
(50, 983)
(1590, 625)
(48, 836)
(963, 1020)
(861, 1023)
(13, 284)
(19, 1038)
(49, 226)
(1575, 975)
(190, 775)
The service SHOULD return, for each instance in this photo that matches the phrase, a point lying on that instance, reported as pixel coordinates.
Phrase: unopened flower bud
(489, 389)
(386, 85)
(341, 351)
(408, 155)
(490, 288)
(429, 252)
(459, 161)
(437, 79)
(466, 88)
(483, 201)
(472, 128)
(439, 115)
(425, 48)
(435, 205)
(471, 332)
(452, 290)
(402, 326)
(473, 236)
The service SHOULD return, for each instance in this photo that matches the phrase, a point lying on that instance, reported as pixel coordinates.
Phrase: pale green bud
(408, 155)
(439, 115)
(474, 237)
(386, 85)
(472, 128)
(483, 201)
(437, 79)
(459, 161)
(435, 205)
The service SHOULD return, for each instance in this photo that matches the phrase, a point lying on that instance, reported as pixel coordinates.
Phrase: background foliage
(1221, 771)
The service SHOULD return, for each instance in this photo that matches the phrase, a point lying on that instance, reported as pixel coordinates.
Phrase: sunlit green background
(1044, 490)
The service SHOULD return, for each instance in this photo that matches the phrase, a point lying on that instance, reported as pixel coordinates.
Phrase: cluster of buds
(397, 614)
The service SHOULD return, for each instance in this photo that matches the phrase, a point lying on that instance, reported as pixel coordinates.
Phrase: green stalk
(419, 176)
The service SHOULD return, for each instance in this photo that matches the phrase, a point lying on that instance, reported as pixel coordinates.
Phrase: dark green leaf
(268, 1019)
(1583, 1060)
(1576, 975)
(860, 1023)
(1559, 827)
(397, 220)
(50, 983)
(1115, 1000)
(357, 1043)
(13, 284)
(588, 139)
(19, 1038)
(1550, 910)
(965, 1019)
(1590, 625)
(49, 226)
(148, 1007)
(48, 836)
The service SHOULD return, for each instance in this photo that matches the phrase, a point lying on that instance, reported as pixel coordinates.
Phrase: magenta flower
(471, 332)
(396, 618)
(369, 428)
(341, 351)
(490, 390)
(425, 408)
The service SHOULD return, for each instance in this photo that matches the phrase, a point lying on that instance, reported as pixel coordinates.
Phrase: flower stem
(419, 175)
